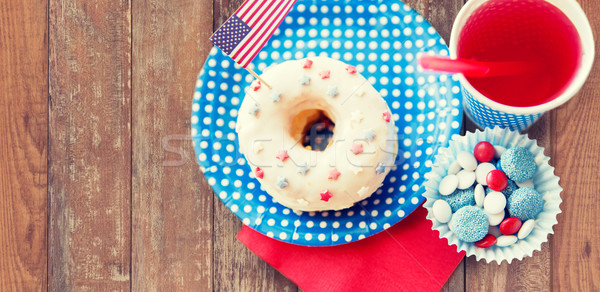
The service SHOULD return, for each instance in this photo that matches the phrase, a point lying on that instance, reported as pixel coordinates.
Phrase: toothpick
(258, 77)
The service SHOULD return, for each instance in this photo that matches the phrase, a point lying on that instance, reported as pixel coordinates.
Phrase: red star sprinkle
(356, 148)
(307, 64)
(259, 173)
(326, 195)
(334, 174)
(351, 69)
(255, 85)
(282, 155)
(325, 74)
(387, 116)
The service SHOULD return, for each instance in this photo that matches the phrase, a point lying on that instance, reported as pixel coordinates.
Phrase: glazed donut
(271, 126)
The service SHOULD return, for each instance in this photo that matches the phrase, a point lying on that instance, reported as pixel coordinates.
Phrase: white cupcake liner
(544, 180)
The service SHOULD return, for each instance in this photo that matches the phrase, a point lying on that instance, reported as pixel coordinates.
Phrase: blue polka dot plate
(382, 39)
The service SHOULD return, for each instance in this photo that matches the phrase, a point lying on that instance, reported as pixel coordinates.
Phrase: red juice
(522, 30)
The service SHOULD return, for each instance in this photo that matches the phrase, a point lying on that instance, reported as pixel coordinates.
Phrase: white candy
(498, 152)
(495, 219)
(442, 211)
(526, 228)
(494, 202)
(479, 195)
(466, 160)
(506, 240)
(454, 168)
(465, 179)
(448, 185)
(527, 183)
(482, 171)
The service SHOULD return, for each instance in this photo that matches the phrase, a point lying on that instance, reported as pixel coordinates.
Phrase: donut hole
(313, 128)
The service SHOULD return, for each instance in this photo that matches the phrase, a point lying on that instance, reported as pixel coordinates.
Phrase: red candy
(496, 180)
(486, 242)
(259, 173)
(484, 151)
(510, 225)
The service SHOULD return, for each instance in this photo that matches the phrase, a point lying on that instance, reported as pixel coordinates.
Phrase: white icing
(272, 126)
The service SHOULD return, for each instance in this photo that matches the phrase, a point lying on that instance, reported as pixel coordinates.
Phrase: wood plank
(23, 144)
(235, 267)
(89, 145)
(576, 257)
(172, 203)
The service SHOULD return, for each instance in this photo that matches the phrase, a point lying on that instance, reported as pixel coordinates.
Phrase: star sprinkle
(356, 169)
(370, 134)
(334, 174)
(333, 91)
(259, 173)
(276, 96)
(282, 155)
(253, 110)
(357, 148)
(302, 202)
(363, 191)
(325, 74)
(281, 182)
(258, 147)
(351, 69)
(303, 169)
(387, 116)
(380, 168)
(356, 117)
(255, 86)
(304, 80)
(325, 195)
(360, 93)
(307, 64)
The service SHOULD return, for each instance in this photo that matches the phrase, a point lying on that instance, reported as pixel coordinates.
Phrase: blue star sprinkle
(253, 109)
(380, 168)
(305, 80)
(370, 134)
(276, 96)
(281, 182)
(303, 169)
(333, 91)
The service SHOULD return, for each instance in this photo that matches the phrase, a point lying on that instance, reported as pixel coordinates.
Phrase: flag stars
(304, 80)
(333, 91)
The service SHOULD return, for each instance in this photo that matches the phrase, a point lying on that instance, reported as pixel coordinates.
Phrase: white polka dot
(308, 236)
(348, 238)
(321, 237)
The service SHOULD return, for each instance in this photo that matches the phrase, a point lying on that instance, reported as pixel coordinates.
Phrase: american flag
(250, 27)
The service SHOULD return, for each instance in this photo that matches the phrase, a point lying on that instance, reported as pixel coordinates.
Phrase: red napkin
(408, 256)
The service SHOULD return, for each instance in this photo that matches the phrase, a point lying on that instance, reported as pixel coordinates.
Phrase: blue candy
(510, 188)
(525, 203)
(460, 198)
(469, 223)
(499, 165)
(518, 164)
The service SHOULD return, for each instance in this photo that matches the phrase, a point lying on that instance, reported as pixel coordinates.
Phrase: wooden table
(96, 99)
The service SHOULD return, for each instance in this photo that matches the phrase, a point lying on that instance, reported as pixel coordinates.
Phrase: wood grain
(23, 151)
(172, 203)
(576, 256)
(89, 145)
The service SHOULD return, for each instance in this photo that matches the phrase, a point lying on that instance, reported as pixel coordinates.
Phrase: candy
(518, 164)
(465, 179)
(527, 183)
(526, 229)
(325, 74)
(525, 203)
(470, 224)
(334, 174)
(460, 198)
(448, 185)
(498, 151)
(282, 155)
(442, 211)
(454, 168)
(356, 148)
(325, 195)
(466, 160)
(482, 171)
(484, 151)
(486, 242)
(510, 225)
(499, 165)
(506, 240)
(496, 219)
(494, 203)
(507, 191)
(496, 180)
(479, 195)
